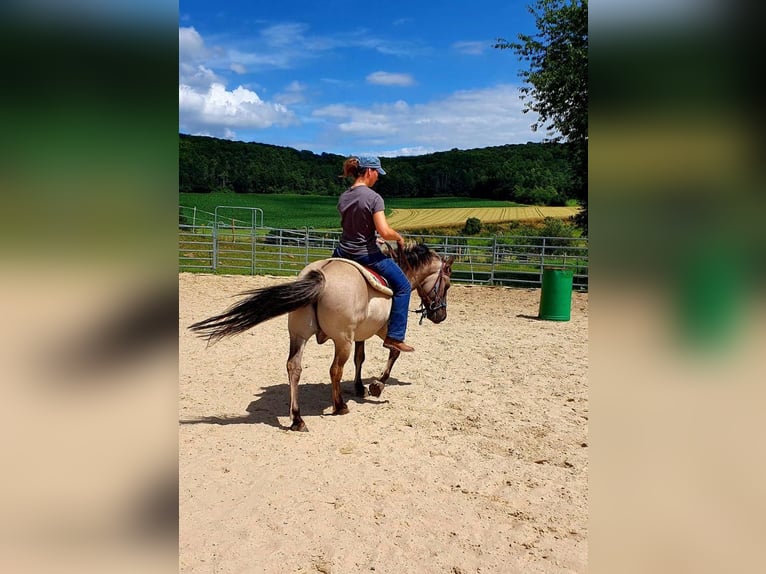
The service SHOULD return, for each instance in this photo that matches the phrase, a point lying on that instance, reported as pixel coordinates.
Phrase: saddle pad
(376, 281)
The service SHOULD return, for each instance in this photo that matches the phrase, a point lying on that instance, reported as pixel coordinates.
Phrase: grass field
(283, 211)
(289, 211)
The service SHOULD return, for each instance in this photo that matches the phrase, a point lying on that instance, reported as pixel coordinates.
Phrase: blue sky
(391, 78)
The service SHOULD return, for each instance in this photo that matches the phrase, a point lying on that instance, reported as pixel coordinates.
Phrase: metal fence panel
(500, 260)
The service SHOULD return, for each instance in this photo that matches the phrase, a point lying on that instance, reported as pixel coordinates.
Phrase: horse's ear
(448, 262)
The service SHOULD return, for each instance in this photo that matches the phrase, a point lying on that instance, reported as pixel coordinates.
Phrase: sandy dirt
(473, 460)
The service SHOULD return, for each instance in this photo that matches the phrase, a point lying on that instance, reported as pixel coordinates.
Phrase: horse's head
(433, 287)
(429, 274)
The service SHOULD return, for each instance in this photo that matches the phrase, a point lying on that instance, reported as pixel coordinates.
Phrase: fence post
(307, 246)
(252, 251)
(494, 257)
(542, 262)
(215, 248)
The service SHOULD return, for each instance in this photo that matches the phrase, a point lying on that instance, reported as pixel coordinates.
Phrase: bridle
(429, 302)
(432, 301)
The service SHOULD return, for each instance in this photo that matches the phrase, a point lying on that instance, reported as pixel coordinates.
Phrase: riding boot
(390, 343)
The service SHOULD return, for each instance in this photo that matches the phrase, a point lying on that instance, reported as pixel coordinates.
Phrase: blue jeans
(397, 281)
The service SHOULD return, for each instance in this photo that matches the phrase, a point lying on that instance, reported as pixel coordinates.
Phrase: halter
(435, 301)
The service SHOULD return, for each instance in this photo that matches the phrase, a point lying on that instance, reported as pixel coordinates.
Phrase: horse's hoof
(340, 411)
(299, 427)
(376, 389)
(361, 391)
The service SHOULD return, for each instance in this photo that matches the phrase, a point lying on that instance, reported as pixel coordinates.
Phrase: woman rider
(362, 214)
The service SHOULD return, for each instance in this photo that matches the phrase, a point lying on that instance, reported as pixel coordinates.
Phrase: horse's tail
(261, 305)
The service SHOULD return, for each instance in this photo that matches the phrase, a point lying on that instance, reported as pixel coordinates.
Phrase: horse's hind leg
(376, 388)
(294, 368)
(342, 352)
(358, 361)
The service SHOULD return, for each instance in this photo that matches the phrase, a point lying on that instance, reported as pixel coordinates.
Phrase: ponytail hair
(351, 168)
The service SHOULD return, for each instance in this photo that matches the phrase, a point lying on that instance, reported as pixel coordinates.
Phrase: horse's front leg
(342, 353)
(358, 360)
(377, 387)
(294, 368)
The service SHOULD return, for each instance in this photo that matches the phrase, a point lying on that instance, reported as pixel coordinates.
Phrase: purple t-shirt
(356, 206)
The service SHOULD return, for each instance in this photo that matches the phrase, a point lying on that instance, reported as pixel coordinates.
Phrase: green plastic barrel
(556, 294)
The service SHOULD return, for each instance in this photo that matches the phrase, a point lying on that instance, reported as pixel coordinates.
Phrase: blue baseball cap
(372, 162)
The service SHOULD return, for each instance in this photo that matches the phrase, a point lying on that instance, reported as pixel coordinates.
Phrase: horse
(332, 299)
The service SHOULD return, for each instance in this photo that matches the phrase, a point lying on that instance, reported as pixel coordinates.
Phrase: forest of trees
(532, 173)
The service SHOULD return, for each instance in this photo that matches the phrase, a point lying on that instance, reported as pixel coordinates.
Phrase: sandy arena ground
(473, 460)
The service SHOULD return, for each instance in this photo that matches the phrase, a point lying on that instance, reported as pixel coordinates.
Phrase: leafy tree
(537, 195)
(553, 227)
(472, 226)
(500, 172)
(557, 228)
(557, 78)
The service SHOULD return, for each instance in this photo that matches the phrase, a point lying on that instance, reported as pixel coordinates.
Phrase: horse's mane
(415, 255)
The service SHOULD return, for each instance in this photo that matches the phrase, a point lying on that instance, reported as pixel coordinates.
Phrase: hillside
(531, 174)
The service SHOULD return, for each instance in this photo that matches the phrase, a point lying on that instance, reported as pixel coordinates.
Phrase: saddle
(376, 281)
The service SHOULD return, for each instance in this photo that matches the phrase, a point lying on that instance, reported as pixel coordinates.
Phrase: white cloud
(390, 79)
(401, 106)
(356, 121)
(294, 93)
(466, 119)
(197, 76)
(470, 48)
(402, 151)
(206, 106)
(281, 35)
(193, 56)
(191, 46)
(280, 46)
(334, 111)
(219, 111)
(368, 126)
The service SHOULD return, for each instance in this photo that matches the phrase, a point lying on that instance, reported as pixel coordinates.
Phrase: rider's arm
(384, 229)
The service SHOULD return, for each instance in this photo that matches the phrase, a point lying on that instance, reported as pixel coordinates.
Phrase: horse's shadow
(274, 401)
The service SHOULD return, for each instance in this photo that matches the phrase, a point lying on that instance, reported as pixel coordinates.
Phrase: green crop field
(283, 211)
(292, 211)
